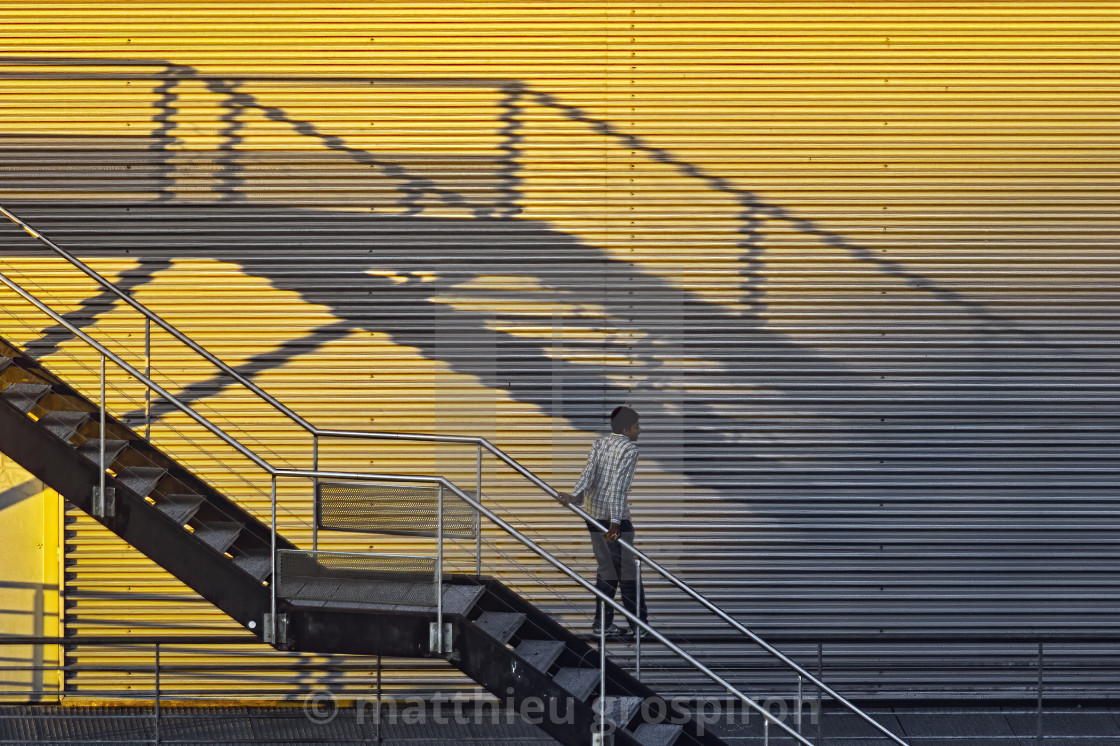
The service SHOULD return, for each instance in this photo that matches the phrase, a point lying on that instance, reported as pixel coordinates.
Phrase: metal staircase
(316, 601)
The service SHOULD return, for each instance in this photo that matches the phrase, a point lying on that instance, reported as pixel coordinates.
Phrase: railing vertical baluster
(820, 692)
(602, 673)
(272, 580)
(148, 373)
(1041, 737)
(638, 633)
(439, 570)
(377, 719)
(101, 503)
(477, 515)
(797, 714)
(158, 737)
(315, 494)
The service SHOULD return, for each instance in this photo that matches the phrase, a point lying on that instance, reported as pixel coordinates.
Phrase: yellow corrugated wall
(30, 520)
(858, 210)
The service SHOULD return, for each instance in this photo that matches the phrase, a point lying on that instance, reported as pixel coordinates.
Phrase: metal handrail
(443, 482)
(375, 435)
(544, 554)
(158, 320)
(214, 429)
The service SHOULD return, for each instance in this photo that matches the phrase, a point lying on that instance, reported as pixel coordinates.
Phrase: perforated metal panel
(344, 578)
(394, 509)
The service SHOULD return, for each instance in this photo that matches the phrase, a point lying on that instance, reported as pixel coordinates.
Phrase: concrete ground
(295, 725)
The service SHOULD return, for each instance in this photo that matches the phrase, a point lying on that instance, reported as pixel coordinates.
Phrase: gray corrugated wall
(855, 266)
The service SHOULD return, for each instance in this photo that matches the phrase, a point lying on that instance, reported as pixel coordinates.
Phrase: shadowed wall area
(866, 323)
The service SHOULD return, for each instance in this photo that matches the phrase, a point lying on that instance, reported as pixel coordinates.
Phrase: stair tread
(180, 508)
(64, 422)
(461, 598)
(540, 654)
(621, 710)
(258, 564)
(140, 479)
(65, 415)
(219, 535)
(91, 449)
(373, 593)
(657, 734)
(579, 682)
(501, 625)
(25, 394)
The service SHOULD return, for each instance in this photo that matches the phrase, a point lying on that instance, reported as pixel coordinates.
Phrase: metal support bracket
(435, 645)
(275, 634)
(104, 505)
(602, 739)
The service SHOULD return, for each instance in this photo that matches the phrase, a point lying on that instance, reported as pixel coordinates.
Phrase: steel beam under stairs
(223, 552)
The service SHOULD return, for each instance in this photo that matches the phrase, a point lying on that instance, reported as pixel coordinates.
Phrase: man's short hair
(622, 418)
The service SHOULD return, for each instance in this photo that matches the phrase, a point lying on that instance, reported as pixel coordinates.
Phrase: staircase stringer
(63, 469)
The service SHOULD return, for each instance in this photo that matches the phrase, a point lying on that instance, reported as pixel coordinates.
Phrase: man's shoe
(637, 634)
(613, 630)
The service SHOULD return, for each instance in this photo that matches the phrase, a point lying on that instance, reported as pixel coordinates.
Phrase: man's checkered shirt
(605, 481)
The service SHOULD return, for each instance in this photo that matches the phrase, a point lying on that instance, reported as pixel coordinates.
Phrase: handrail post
(797, 713)
(315, 493)
(272, 580)
(638, 634)
(1041, 737)
(820, 692)
(602, 677)
(439, 570)
(377, 719)
(477, 515)
(157, 695)
(148, 373)
(103, 502)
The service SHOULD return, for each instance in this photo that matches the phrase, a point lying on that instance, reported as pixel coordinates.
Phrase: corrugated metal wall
(855, 263)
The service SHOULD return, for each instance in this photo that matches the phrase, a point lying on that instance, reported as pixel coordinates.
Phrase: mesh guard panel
(348, 578)
(392, 509)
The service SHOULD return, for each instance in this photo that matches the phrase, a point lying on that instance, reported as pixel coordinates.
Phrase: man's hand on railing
(566, 499)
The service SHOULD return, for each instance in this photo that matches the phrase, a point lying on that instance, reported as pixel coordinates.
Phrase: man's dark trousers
(617, 566)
